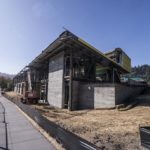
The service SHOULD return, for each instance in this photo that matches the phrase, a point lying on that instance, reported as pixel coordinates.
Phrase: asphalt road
(16, 132)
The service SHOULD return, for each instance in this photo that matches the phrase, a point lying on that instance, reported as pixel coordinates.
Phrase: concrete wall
(20, 88)
(104, 97)
(75, 95)
(95, 95)
(55, 80)
(91, 95)
(86, 95)
(17, 88)
(123, 92)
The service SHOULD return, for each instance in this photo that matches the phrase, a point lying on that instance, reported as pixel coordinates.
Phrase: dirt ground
(14, 95)
(108, 129)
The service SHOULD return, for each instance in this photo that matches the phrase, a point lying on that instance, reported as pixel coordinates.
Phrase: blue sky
(29, 26)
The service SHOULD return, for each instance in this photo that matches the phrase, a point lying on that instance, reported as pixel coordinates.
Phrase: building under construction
(70, 73)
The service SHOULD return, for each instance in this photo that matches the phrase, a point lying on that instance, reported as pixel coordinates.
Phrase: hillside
(142, 71)
(6, 75)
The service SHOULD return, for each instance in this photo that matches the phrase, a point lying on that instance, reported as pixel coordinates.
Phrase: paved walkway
(21, 134)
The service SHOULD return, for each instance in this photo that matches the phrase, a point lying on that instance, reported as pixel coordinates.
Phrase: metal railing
(145, 136)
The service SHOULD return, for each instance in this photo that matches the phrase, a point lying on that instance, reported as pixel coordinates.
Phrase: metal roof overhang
(107, 61)
(75, 41)
(69, 39)
(56, 46)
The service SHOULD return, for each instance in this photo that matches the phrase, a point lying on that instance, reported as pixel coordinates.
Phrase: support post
(113, 75)
(29, 80)
(70, 82)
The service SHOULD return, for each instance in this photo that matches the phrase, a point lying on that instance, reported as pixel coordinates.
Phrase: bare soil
(14, 95)
(108, 129)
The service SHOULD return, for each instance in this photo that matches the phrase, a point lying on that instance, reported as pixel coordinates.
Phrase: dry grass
(108, 129)
(14, 95)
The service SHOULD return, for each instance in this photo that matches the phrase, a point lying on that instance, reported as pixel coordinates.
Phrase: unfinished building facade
(70, 73)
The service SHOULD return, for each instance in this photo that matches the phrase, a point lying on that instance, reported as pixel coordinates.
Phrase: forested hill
(6, 81)
(141, 71)
(6, 75)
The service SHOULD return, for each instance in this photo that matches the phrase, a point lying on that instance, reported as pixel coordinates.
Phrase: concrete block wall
(104, 97)
(123, 92)
(86, 95)
(75, 95)
(96, 95)
(55, 80)
(91, 95)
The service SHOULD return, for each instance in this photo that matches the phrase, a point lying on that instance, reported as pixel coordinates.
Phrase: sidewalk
(21, 134)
